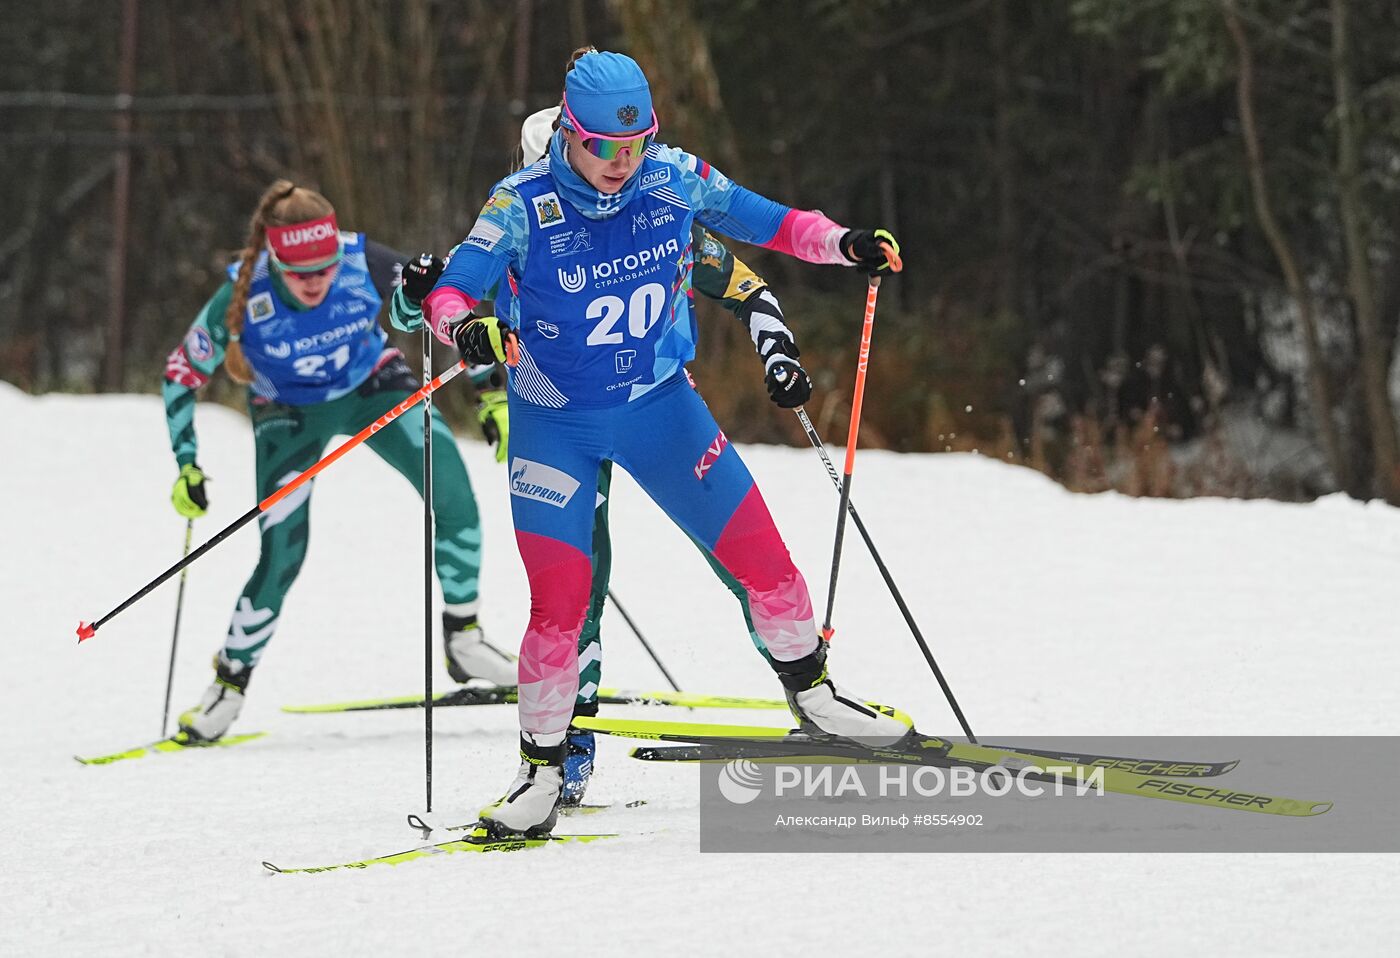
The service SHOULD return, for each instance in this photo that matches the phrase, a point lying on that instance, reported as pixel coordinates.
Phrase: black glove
(484, 340)
(863, 247)
(788, 383)
(420, 275)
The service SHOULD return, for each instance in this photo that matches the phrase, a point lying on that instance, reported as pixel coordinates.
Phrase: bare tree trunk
(114, 360)
(520, 69)
(333, 76)
(885, 177)
(368, 93)
(274, 49)
(1319, 388)
(1375, 357)
(422, 121)
(1008, 225)
(578, 24)
(669, 43)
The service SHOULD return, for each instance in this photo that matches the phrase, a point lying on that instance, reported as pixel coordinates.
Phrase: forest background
(1150, 246)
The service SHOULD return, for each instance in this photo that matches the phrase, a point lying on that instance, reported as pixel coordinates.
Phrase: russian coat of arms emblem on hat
(628, 114)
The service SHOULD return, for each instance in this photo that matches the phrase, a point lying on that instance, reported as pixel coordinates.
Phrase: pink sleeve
(810, 236)
(443, 307)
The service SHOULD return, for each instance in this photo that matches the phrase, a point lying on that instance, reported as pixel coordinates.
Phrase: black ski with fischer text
(766, 752)
(915, 749)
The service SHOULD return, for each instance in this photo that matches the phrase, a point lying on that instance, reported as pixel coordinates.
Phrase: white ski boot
(470, 656)
(824, 708)
(211, 718)
(530, 807)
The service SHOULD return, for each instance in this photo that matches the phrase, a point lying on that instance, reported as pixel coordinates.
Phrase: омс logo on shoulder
(628, 114)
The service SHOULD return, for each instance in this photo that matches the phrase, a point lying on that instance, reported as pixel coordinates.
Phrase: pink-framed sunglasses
(606, 147)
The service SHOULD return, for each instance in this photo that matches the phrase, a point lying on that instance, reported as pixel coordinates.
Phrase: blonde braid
(234, 361)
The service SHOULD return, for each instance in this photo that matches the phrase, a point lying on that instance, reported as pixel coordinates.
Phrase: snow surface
(1051, 614)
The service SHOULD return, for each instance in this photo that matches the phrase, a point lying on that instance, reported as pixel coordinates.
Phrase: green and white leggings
(290, 439)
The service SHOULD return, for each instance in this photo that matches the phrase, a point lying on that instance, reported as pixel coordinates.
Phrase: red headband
(312, 245)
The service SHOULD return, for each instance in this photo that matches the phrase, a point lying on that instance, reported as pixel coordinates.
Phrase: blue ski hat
(608, 93)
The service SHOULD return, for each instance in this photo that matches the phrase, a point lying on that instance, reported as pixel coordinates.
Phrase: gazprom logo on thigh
(535, 480)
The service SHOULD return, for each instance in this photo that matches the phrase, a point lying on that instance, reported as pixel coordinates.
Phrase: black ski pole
(817, 444)
(175, 634)
(87, 630)
(428, 564)
(642, 639)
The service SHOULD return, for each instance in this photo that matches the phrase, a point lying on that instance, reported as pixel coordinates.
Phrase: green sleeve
(409, 318)
(721, 275)
(189, 366)
(402, 315)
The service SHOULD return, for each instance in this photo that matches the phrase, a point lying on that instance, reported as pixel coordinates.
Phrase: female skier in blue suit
(594, 241)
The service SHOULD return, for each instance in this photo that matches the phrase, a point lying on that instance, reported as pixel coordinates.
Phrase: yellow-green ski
(179, 742)
(477, 842)
(506, 696)
(677, 731)
(568, 811)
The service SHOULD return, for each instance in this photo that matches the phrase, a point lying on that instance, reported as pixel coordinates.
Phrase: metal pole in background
(428, 571)
(642, 639)
(816, 441)
(114, 366)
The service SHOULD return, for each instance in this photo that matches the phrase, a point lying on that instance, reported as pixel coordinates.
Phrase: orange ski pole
(862, 363)
(87, 630)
